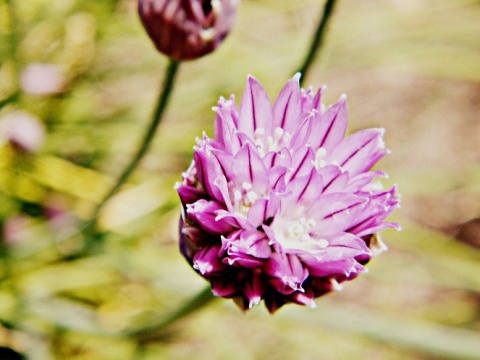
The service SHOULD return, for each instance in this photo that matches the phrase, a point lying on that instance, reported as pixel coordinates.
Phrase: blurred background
(78, 83)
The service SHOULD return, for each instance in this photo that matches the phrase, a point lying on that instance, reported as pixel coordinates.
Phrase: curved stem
(93, 237)
(153, 332)
(317, 40)
(149, 134)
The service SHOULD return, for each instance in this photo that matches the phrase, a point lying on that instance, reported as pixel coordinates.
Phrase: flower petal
(303, 133)
(248, 168)
(208, 169)
(286, 272)
(303, 190)
(286, 109)
(226, 124)
(207, 261)
(302, 162)
(247, 243)
(255, 108)
(254, 289)
(360, 151)
(330, 127)
(263, 210)
(205, 213)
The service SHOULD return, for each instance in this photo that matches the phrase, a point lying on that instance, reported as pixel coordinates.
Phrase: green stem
(93, 237)
(149, 134)
(317, 40)
(155, 331)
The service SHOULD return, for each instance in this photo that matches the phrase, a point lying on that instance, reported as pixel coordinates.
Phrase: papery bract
(280, 205)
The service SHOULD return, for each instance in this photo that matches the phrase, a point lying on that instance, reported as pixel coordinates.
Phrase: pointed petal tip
(336, 285)
(394, 191)
(252, 79)
(254, 302)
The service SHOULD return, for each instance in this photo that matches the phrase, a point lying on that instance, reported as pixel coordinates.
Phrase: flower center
(296, 235)
(244, 198)
(269, 143)
(300, 229)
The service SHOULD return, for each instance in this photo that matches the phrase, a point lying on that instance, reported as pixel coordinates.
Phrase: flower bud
(187, 29)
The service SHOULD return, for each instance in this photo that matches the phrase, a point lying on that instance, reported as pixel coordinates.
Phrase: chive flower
(280, 206)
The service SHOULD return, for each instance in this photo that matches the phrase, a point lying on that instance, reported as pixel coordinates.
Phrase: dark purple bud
(187, 29)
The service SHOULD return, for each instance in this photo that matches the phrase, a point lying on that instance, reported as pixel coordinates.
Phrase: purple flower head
(187, 29)
(280, 205)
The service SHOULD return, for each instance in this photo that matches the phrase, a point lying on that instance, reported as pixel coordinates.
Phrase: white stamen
(237, 195)
(259, 133)
(250, 198)
(322, 243)
(246, 186)
(311, 223)
(320, 153)
(298, 230)
(278, 133)
(319, 164)
(270, 142)
(305, 237)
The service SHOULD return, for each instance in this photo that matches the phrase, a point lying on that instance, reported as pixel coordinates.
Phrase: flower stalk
(153, 332)
(149, 133)
(92, 236)
(317, 39)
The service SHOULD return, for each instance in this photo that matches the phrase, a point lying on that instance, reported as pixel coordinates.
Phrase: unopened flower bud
(187, 29)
